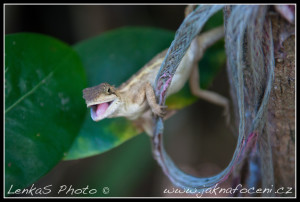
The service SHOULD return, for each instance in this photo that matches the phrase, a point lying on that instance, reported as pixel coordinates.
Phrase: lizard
(135, 98)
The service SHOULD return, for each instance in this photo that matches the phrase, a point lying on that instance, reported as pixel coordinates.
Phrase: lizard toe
(160, 110)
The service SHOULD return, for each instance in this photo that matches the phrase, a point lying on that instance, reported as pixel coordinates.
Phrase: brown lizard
(135, 99)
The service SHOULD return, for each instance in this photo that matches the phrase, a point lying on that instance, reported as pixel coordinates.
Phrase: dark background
(73, 23)
(197, 138)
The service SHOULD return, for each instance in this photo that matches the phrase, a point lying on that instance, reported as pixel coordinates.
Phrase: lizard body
(135, 97)
(132, 98)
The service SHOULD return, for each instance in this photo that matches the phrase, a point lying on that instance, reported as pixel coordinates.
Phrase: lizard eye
(109, 91)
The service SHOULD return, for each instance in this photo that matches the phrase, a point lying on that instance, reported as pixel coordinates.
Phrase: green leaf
(114, 57)
(43, 107)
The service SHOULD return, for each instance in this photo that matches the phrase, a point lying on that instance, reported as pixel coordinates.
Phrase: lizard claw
(159, 110)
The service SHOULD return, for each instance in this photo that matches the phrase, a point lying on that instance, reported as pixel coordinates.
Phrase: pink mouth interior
(98, 111)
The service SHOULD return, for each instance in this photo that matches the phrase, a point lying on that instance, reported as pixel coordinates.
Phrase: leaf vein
(29, 92)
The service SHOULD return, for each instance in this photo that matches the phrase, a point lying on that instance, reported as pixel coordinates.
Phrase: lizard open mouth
(98, 110)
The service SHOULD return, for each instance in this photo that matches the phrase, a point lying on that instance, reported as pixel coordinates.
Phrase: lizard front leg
(150, 95)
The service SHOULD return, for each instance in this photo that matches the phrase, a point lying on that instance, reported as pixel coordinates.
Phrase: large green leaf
(43, 107)
(115, 56)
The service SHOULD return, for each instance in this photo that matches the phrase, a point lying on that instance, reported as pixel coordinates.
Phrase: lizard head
(102, 99)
